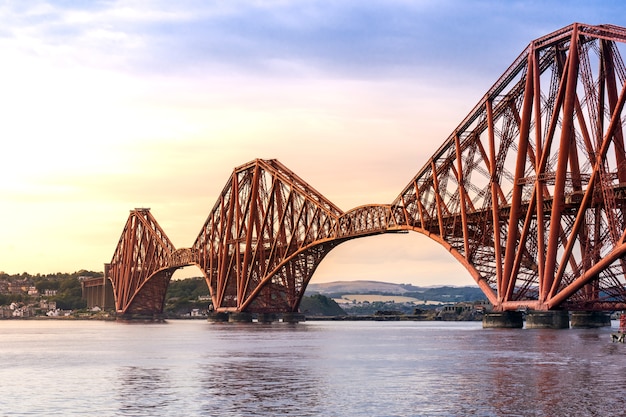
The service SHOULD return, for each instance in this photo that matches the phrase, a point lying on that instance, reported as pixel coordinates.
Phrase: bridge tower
(264, 238)
(528, 192)
(140, 270)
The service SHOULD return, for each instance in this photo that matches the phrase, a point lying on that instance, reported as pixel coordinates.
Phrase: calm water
(344, 369)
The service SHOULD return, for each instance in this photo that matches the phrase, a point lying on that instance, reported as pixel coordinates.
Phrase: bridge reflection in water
(527, 193)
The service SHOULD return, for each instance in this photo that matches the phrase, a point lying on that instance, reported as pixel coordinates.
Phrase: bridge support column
(503, 320)
(553, 319)
(217, 317)
(141, 318)
(267, 317)
(293, 317)
(241, 317)
(590, 319)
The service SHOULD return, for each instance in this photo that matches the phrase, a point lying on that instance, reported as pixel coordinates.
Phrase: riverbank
(398, 317)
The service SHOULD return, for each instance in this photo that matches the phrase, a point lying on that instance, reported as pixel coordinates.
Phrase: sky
(110, 105)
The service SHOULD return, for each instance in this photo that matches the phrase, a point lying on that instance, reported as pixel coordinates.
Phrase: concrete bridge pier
(503, 320)
(267, 317)
(293, 317)
(240, 317)
(218, 317)
(141, 318)
(552, 319)
(590, 319)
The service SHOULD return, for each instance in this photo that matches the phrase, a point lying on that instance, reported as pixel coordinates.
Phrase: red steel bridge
(528, 193)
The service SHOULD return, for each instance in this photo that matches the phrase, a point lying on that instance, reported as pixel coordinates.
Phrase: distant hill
(445, 294)
(359, 287)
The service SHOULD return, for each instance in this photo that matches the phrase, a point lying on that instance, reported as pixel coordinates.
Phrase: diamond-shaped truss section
(138, 267)
(251, 244)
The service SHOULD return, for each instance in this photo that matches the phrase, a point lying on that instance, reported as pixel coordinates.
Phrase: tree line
(65, 286)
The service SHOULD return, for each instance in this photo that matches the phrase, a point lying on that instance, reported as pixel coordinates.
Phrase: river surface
(343, 369)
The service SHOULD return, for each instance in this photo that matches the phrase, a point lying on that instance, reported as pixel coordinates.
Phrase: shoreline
(406, 317)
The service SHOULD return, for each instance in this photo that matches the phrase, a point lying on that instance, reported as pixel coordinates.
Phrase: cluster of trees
(66, 285)
(320, 305)
(183, 296)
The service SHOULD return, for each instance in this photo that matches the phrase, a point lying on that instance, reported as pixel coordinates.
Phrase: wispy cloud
(345, 38)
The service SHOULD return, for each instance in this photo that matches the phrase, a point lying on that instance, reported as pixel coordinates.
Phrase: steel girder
(529, 191)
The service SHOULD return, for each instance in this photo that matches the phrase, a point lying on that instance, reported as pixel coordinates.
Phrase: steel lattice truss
(141, 266)
(264, 238)
(528, 193)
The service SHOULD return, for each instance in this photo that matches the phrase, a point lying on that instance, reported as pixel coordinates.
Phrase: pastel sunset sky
(111, 105)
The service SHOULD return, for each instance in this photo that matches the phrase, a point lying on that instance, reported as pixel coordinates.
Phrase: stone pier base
(242, 317)
(141, 318)
(216, 317)
(293, 317)
(553, 319)
(590, 319)
(503, 320)
(267, 317)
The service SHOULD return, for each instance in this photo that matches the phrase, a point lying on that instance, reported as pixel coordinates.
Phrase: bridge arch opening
(190, 298)
(189, 271)
(401, 258)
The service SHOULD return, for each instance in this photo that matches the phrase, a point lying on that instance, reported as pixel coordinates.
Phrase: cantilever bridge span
(528, 193)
